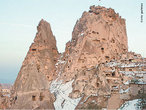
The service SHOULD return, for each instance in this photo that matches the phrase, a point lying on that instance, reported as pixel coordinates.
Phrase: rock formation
(39, 64)
(92, 72)
(37, 71)
(99, 36)
(4, 96)
(94, 59)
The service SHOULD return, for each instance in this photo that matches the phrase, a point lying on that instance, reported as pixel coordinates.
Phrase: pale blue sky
(19, 19)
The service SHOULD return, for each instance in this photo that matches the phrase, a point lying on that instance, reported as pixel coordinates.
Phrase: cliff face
(99, 36)
(39, 65)
(94, 60)
(89, 74)
(101, 33)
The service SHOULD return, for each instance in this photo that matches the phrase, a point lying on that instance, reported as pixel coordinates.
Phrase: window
(15, 97)
(124, 49)
(113, 74)
(33, 98)
(54, 60)
(107, 74)
(130, 60)
(107, 57)
(113, 41)
(102, 49)
(90, 11)
(139, 92)
(97, 84)
(93, 32)
(33, 49)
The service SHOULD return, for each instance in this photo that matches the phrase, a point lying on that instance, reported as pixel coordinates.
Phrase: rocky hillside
(4, 95)
(96, 70)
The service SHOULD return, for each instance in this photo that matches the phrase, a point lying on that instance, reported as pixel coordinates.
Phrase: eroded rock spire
(38, 69)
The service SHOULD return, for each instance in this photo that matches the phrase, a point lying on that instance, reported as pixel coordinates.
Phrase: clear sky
(19, 19)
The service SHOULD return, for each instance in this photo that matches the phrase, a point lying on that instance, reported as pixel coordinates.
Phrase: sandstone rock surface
(37, 71)
(4, 96)
(39, 64)
(94, 70)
